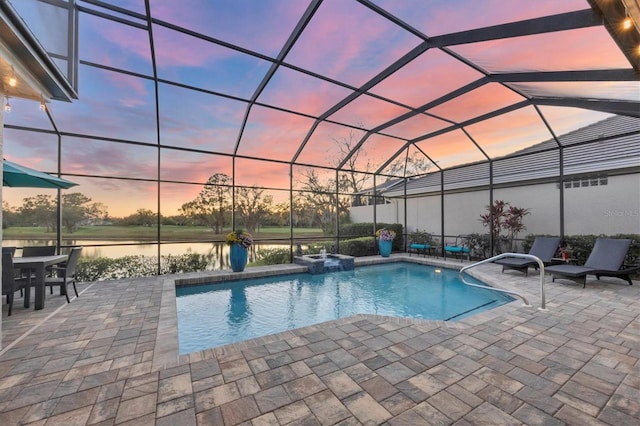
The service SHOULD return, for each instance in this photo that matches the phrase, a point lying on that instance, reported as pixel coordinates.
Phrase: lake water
(218, 252)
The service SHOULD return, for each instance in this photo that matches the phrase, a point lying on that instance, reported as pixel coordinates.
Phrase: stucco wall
(543, 202)
(610, 209)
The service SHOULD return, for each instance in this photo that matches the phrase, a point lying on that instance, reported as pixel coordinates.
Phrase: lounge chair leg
(74, 288)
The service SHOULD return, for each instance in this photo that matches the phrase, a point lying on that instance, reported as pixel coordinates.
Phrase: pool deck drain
(110, 357)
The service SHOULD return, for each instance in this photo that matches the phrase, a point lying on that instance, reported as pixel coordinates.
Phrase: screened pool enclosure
(281, 116)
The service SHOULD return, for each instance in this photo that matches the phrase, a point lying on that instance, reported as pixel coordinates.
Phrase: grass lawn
(149, 233)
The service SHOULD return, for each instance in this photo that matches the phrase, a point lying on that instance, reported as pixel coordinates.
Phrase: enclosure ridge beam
(626, 108)
(553, 76)
(554, 23)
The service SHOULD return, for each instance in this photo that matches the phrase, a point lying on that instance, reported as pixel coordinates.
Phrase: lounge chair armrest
(629, 268)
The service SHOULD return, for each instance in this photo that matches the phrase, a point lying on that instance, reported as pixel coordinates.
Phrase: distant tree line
(318, 201)
(77, 209)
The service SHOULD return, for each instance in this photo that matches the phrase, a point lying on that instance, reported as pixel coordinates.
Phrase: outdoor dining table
(38, 264)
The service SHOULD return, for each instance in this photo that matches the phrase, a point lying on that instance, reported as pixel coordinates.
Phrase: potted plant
(385, 239)
(239, 242)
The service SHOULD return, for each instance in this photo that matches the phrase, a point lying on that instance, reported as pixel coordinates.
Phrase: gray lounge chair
(606, 260)
(543, 247)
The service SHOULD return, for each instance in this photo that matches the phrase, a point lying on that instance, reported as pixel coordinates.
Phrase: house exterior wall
(608, 209)
(361, 214)
(390, 213)
(424, 214)
(462, 212)
(543, 202)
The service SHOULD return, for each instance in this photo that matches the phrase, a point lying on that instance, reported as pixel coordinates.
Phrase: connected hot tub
(322, 263)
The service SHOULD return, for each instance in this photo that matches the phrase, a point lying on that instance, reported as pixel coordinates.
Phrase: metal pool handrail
(503, 255)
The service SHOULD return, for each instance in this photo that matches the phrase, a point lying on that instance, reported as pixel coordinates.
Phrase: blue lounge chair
(543, 248)
(606, 260)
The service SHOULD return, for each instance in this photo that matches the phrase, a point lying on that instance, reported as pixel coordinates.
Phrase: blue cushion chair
(460, 248)
(420, 248)
(421, 243)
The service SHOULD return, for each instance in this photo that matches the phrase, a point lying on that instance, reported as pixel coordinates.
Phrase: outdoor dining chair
(10, 283)
(65, 274)
(31, 251)
(10, 250)
(460, 248)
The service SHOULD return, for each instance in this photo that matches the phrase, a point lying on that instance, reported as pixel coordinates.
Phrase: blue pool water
(218, 314)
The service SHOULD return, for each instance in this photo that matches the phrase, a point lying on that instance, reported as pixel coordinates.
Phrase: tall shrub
(506, 218)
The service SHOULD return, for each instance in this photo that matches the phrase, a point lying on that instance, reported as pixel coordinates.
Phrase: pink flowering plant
(240, 237)
(385, 234)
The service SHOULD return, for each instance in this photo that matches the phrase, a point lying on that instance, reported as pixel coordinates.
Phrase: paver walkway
(110, 357)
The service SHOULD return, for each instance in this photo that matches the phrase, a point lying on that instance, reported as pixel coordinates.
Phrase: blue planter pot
(238, 257)
(385, 248)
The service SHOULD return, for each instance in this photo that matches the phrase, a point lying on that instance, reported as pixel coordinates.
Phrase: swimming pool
(218, 314)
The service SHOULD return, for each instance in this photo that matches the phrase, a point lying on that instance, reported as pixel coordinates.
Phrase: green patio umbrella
(15, 175)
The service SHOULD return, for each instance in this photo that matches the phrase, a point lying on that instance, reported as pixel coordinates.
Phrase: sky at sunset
(205, 86)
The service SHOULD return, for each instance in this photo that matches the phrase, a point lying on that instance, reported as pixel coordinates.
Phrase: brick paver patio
(110, 357)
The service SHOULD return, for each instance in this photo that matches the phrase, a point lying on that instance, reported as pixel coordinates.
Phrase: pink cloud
(135, 89)
(450, 149)
(587, 48)
(510, 132)
(377, 150)
(260, 26)
(273, 134)
(299, 92)
(416, 126)
(323, 147)
(367, 112)
(362, 53)
(262, 173)
(443, 17)
(192, 167)
(485, 99)
(85, 156)
(426, 78)
(174, 49)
